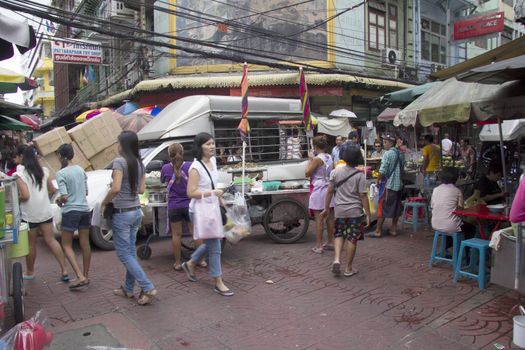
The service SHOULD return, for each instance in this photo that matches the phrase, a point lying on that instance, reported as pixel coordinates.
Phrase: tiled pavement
(395, 302)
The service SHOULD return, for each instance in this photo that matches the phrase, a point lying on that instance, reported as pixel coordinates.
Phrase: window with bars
(433, 41)
(270, 140)
(376, 30)
(392, 26)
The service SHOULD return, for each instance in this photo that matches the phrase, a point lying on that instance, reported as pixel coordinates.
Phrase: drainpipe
(449, 42)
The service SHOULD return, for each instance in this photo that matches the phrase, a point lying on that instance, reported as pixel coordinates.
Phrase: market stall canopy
(497, 72)
(388, 114)
(134, 122)
(30, 119)
(11, 81)
(13, 109)
(127, 108)
(14, 32)
(455, 101)
(511, 130)
(8, 123)
(403, 97)
(343, 113)
(333, 126)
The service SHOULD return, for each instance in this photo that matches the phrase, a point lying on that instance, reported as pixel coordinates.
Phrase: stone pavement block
(427, 340)
(481, 326)
(96, 335)
(192, 340)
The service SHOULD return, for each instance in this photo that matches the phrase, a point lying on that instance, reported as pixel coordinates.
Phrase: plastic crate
(271, 185)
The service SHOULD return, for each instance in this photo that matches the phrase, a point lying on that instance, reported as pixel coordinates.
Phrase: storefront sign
(479, 26)
(76, 52)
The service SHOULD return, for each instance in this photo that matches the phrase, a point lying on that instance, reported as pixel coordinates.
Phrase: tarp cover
(455, 101)
(333, 126)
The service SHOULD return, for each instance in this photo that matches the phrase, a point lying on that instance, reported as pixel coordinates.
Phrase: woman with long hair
(128, 182)
(176, 174)
(318, 169)
(201, 183)
(76, 214)
(36, 187)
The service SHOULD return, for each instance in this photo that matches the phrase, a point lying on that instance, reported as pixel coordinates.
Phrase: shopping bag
(239, 224)
(373, 198)
(207, 222)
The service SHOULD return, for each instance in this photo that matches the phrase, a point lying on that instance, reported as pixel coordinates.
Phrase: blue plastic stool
(435, 256)
(479, 249)
(416, 221)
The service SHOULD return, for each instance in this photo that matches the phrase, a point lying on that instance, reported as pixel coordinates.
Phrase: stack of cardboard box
(97, 138)
(94, 142)
(48, 143)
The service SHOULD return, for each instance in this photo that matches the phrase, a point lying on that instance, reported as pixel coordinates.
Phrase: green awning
(8, 123)
(406, 96)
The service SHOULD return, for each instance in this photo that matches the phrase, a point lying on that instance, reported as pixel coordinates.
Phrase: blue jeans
(125, 226)
(213, 248)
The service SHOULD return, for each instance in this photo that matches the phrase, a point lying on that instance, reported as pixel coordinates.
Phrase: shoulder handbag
(223, 209)
(338, 184)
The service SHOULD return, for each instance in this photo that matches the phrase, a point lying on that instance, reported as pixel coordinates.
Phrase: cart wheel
(144, 252)
(18, 292)
(286, 221)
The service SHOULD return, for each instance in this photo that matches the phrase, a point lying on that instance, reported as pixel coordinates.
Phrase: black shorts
(33, 225)
(76, 220)
(180, 214)
(390, 205)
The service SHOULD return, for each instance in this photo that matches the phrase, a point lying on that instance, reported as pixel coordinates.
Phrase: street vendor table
(481, 213)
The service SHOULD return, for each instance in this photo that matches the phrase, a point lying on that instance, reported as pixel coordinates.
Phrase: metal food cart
(11, 277)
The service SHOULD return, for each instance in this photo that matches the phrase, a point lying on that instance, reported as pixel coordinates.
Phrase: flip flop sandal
(177, 267)
(317, 250)
(186, 269)
(80, 284)
(351, 273)
(224, 293)
(336, 269)
(203, 264)
(28, 277)
(65, 278)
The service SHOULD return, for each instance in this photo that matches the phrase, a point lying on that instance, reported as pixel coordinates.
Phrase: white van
(277, 141)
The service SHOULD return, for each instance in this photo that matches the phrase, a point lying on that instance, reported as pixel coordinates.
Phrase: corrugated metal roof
(230, 81)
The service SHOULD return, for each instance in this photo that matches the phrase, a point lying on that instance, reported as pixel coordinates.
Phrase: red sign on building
(479, 26)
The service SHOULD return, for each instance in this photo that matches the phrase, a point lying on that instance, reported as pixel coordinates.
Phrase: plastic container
(271, 185)
(518, 334)
(21, 248)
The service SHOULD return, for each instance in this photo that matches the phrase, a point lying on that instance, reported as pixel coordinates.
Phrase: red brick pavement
(395, 302)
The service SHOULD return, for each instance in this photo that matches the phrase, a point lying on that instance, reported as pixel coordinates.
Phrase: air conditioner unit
(391, 56)
(436, 67)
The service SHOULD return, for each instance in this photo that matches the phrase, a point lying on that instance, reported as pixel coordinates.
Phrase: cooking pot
(157, 197)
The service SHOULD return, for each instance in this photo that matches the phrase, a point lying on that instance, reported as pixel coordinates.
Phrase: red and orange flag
(305, 101)
(244, 126)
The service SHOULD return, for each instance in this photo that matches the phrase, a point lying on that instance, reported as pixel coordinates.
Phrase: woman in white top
(35, 187)
(202, 172)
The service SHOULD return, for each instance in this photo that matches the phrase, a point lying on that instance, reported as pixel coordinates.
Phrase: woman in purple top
(175, 174)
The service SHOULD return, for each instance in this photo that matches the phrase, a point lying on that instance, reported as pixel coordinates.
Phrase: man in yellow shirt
(431, 155)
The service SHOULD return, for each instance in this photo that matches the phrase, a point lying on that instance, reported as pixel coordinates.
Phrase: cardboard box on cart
(104, 158)
(50, 141)
(52, 160)
(96, 134)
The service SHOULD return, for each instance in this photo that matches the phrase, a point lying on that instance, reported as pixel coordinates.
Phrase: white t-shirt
(204, 179)
(446, 146)
(446, 199)
(38, 208)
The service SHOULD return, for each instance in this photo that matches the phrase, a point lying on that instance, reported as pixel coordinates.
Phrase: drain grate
(81, 338)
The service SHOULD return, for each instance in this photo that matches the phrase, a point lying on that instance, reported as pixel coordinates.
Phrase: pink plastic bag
(207, 222)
